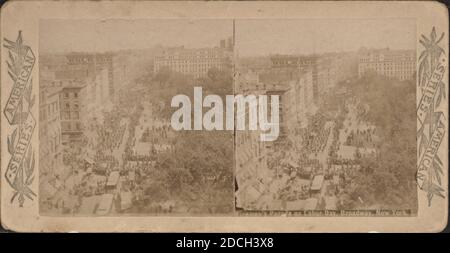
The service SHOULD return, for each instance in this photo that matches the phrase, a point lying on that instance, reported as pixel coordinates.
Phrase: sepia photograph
(106, 143)
(224, 116)
(347, 143)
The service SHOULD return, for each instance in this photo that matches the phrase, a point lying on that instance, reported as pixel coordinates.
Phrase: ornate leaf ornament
(20, 171)
(431, 130)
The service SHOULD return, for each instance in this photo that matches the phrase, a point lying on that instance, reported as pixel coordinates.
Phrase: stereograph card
(178, 116)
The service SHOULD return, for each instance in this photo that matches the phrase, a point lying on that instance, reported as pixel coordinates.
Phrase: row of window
(389, 70)
(66, 115)
(68, 94)
(190, 56)
(187, 63)
(70, 126)
(67, 107)
(397, 64)
(393, 75)
(197, 70)
(90, 59)
(190, 67)
(399, 59)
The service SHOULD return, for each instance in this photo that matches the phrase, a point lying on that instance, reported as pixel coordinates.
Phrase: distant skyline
(307, 36)
(63, 36)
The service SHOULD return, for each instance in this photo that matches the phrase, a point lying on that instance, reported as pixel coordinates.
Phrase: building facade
(301, 63)
(252, 172)
(393, 64)
(326, 70)
(88, 65)
(71, 104)
(195, 62)
(50, 141)
(299, 99)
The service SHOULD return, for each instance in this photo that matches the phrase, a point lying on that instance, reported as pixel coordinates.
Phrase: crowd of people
(315, 137)
(110, 137)
(156, 134)
(337, 171)
(360, 138)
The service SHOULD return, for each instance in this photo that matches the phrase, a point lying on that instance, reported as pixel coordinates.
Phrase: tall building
(96, 98)
(252, 171)
(50, 143)
(327, 70)
(87, 65)
(84, 67)
(293, 85)
(299, 97)
(302, 63)
(195, 62)
(280, 91)
(393, 64)
(70, 105)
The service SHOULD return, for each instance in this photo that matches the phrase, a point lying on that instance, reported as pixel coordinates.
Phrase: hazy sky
(253, 36)
(262, 37)
(98, 36)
